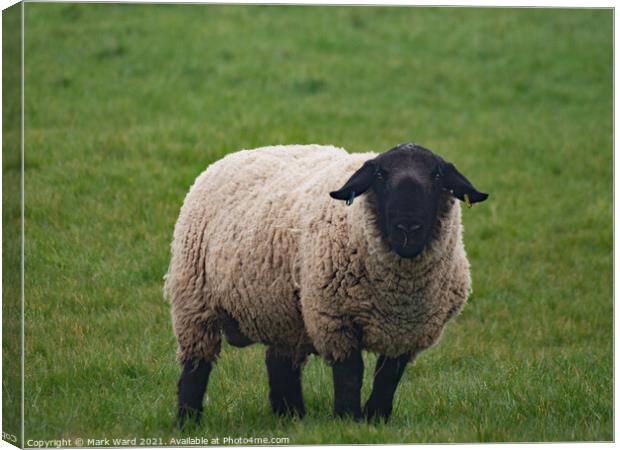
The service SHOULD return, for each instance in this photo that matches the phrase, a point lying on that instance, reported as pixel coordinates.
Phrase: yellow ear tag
(467, 202)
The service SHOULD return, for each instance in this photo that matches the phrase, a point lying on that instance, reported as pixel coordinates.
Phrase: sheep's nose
(408, 227)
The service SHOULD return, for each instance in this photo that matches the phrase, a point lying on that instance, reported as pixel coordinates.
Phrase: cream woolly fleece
(260, 239)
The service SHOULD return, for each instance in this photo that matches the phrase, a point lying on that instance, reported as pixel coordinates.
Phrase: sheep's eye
(381, 175)
(437, 174)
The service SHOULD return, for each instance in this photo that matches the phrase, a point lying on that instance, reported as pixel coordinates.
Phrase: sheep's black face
(407, 189)
(408, 181)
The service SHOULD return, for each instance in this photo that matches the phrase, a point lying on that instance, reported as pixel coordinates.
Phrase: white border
(480, 3)
(445, 3)
(23, 228)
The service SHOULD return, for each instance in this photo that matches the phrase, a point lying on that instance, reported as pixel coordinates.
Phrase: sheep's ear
(359, 183)
(459, 186)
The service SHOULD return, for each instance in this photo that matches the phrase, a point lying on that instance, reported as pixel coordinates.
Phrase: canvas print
(300, 225)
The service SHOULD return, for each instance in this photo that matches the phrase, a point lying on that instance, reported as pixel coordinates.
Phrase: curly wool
(259, 239)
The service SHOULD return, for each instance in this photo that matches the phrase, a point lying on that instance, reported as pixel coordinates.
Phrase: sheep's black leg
(348, 376)
(284, 384)
(191, 389)
(387, 376)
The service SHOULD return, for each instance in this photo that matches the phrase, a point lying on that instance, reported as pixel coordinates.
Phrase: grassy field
(127, 104)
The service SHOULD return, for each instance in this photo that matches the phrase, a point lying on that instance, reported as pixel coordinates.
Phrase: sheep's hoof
(352, 415)
(281, 407)
(286, 411)
(187, 416)
(372, 414)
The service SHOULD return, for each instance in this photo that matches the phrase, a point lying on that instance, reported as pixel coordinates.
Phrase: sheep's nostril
(408, 228)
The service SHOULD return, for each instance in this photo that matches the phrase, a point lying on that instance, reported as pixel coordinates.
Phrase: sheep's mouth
(406, 247)
(407, 252)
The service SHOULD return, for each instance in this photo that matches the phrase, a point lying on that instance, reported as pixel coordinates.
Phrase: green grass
(127, 104)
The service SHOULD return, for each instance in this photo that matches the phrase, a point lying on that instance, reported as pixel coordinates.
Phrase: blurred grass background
(127, 104)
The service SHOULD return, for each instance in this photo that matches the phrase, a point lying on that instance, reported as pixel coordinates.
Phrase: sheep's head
(407, 182)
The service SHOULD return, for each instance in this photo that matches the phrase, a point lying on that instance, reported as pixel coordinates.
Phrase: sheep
(262, 254)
